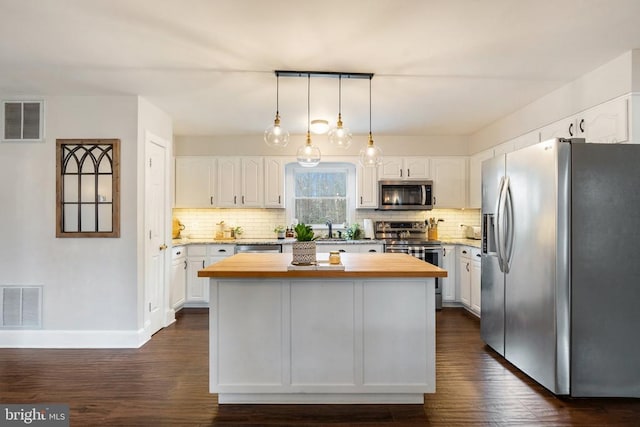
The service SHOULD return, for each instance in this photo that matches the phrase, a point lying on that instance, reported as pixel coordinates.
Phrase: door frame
(168, 314)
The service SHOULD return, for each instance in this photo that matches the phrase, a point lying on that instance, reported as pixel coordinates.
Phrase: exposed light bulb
(275, 136)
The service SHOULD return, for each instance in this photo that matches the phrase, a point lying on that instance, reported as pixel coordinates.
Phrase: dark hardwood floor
(166, 383)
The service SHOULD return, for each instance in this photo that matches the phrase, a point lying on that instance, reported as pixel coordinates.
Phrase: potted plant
(304, 248)
(279, 230)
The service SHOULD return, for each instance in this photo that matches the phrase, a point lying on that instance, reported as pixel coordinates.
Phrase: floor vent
(21, 307)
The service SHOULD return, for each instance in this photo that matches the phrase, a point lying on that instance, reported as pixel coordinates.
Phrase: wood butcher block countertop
(357, 265)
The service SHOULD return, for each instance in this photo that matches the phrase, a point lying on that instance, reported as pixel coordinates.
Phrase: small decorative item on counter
(304, 248)
(220, 230)
(432, 228)
(334, 257)
(227, 233)
(353, 232)
(237, 232)
(280, 231)
(289, 232)
(177, 227)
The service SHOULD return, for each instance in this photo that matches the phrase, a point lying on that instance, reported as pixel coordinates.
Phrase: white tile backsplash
(259, 223)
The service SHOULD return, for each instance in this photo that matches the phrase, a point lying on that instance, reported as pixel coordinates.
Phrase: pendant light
(275, 136)
(371, 155)
(339, 135)
(308, 155)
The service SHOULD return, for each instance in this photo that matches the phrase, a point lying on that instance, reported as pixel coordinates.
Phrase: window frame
(290, 172)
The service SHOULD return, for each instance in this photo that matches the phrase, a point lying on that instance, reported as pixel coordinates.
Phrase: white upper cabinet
(504, 148)
(526, 140)
(367, 188)
(475, 177)
(274, 182)
(449, 181)
(404, 168)
(195, 182)
(240, 182)
(607, 123)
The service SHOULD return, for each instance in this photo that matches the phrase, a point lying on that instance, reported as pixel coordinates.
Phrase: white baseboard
(72, 339)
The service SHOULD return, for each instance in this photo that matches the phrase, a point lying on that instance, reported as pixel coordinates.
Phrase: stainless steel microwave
(405, 195)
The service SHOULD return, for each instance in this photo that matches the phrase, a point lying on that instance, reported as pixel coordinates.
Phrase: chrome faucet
(330, 225)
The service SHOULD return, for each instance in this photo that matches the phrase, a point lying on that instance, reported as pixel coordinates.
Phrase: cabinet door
(251, 182)
(197, 287)
(417, 168)
(475, 281)
(504, 148)
(195, 182)
(178, 282)
(367, 188)
(273, 182)
(464, 276)
(475, 177)
(449, 182)
(607, 123)
(449, 282)
(391, 168)
(565, 128)
(228, 182)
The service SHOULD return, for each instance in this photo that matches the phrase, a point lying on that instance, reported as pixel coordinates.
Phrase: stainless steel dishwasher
(258, 248)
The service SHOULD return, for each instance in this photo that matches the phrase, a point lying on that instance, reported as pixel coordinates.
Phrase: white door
(156, 208)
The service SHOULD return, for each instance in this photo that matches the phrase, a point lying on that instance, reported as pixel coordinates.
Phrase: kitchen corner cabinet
(178, 280)
(449, 176)
(195, 182)
(607, 123)
(367, 188)
(475, 177)
(405, 168)
(274, 173)
(449, 282)
(240, 182)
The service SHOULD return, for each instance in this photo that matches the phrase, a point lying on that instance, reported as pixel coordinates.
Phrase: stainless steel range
(410, 237)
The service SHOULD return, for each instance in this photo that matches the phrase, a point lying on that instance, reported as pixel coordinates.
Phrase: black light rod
(291, 73)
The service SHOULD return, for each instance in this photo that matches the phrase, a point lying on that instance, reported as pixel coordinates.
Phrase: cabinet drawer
(475, 253)
(197, 250)
(464, 251)
(221, 250)
(178, 252)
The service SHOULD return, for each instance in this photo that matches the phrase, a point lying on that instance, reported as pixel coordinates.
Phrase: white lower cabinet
(449, 282)
(349, 248)
(198, 257)
(475, 280)
(464, 275)
(178, 281)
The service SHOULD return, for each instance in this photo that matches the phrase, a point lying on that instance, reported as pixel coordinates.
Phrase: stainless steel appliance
(258, 248)
(405, 195)
(560, 289)
(410, 237)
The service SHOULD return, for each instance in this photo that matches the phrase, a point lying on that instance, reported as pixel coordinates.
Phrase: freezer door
(537, 285)
(492, 278)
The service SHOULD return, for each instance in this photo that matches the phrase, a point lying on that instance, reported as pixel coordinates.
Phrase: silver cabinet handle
(408, 173)
(185, 264)
(464, 252)
(467, 266)
(211, 200)
(279, 200)
(222, 250)
(202, 263)
(234, 199)
(400, 173)
(372, 250)
(243, 200)
(178, 253)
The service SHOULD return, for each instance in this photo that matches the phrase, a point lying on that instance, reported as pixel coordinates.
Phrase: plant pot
(280, 234)
(304, 253)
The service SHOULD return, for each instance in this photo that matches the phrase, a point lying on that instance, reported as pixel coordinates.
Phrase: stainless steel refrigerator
(560, 295)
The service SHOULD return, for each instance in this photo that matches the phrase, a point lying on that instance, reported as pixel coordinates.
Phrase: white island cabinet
(362, 335)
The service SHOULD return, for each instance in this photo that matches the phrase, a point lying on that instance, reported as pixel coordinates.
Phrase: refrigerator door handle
(509, 232)
(497, 229)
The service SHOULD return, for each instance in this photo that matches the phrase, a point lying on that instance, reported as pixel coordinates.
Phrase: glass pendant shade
(339, 135)
(370, 155)
(275, 136)
(308, 155)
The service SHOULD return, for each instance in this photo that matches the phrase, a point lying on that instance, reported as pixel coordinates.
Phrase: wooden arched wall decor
(88, 188)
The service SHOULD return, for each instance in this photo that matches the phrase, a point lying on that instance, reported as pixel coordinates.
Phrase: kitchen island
(365, 334)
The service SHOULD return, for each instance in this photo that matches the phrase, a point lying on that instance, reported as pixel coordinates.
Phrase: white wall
(606, 82)
(221, 145)
(91, 286)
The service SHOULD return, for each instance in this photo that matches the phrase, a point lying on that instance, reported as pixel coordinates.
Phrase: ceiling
(442, 67)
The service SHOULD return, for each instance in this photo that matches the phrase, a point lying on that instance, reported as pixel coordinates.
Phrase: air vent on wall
(21, 307)
(22, 120)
